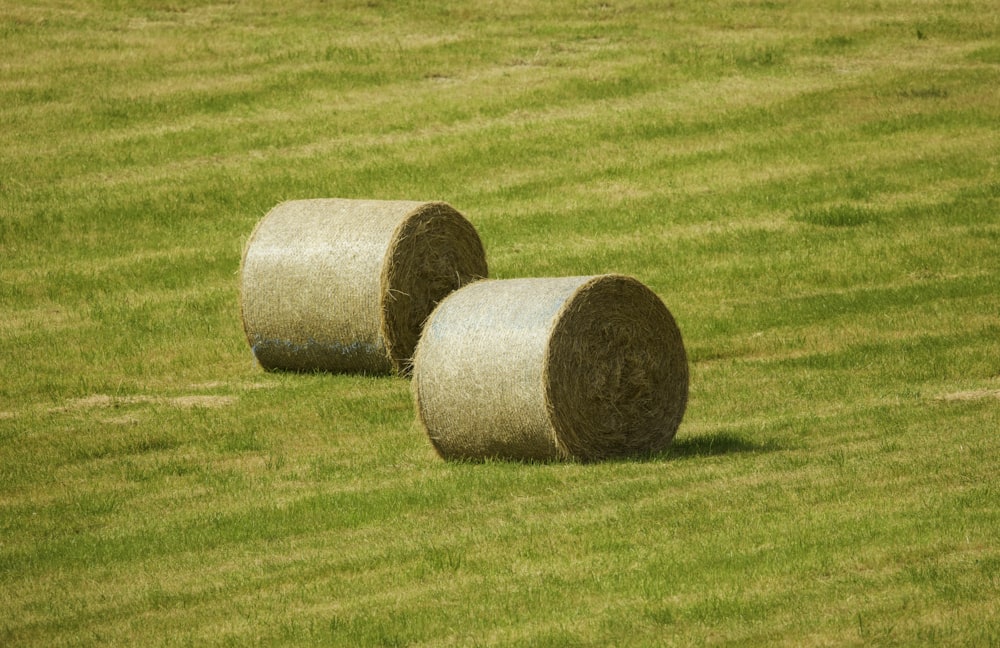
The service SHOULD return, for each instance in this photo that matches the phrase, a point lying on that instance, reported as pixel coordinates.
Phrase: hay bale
(587, 368)
(346, 285)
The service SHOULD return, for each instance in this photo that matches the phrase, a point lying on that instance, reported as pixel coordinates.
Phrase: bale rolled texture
(587, 368)
(346, 285)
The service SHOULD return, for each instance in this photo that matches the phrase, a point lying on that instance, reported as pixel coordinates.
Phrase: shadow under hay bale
(587, 368)
(346, 285)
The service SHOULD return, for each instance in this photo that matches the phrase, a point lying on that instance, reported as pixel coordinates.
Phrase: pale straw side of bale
(587, 368)
(346, 285)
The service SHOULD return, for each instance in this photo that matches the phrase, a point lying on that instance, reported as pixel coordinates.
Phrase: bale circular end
(434, 251)
(616, 373)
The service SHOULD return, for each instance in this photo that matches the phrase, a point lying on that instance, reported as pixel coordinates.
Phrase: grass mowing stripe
(256, 524)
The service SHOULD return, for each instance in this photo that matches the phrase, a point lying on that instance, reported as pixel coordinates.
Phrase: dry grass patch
(105, 401)
(970, 395)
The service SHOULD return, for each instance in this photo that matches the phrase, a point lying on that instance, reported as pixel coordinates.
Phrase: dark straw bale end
(587, 368)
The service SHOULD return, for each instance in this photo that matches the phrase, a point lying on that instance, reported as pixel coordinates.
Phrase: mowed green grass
(812, 188)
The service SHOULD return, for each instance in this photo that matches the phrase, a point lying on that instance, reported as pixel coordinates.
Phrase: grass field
(813, 189)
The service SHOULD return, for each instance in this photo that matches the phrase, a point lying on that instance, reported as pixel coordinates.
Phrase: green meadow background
(811, 187)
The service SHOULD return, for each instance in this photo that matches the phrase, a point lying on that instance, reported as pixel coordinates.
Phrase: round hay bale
(586, 368)
(346, 285)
